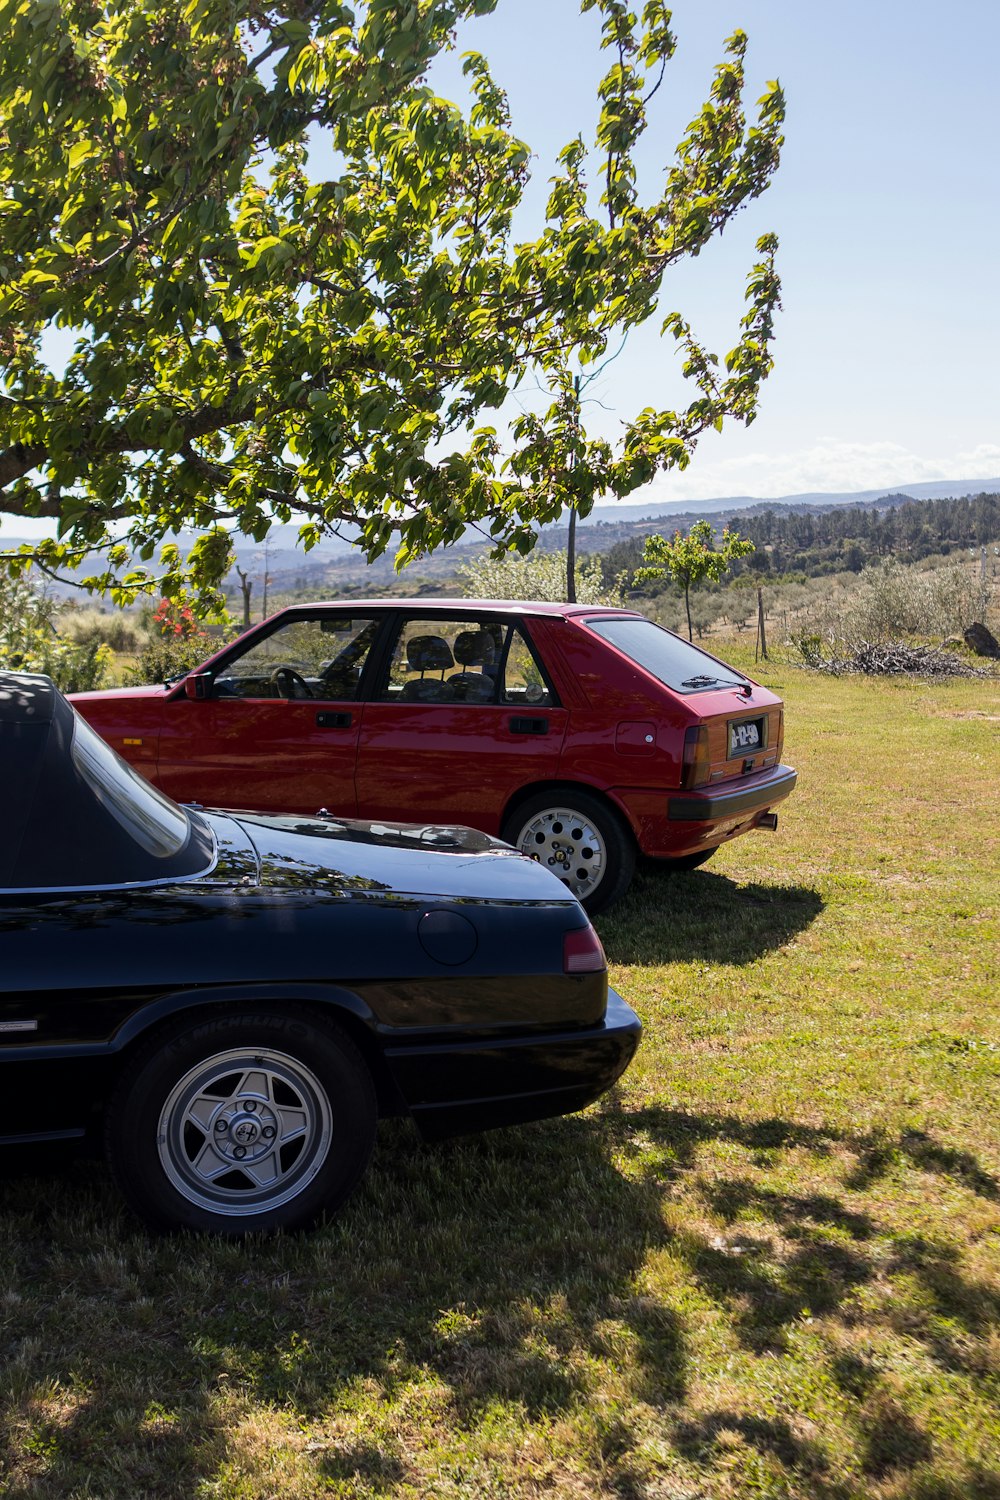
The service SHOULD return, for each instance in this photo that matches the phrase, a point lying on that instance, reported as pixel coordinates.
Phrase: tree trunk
(246, 588)
(687, 606)
(571, 560)
(571, 539)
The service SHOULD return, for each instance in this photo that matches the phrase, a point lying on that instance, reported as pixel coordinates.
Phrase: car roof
(473, 606)
(27, 705)
(61, 827)
(26, 698)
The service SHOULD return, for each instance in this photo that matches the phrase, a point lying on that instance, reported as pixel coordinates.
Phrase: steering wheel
(289, 683)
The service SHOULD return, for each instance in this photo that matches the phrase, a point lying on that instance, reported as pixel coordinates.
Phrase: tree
(541, 575)
(690, 560)
(557, 466)
(255, 345)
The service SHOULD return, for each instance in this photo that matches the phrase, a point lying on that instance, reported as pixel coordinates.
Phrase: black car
(235, 999)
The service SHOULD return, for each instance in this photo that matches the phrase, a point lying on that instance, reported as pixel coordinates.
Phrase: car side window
(522, 677)
(318, 657)
(445, 661)
(438, 660)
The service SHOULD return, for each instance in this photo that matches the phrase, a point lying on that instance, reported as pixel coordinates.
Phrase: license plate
(746, 736)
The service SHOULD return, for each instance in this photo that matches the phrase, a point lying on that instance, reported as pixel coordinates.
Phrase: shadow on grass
(827, 1249)
(493, 1274)
(875, 1153)
(487, 1284)
(680, 918)
(701, 1439)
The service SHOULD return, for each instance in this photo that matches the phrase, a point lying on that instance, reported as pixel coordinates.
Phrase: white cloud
(825, 467)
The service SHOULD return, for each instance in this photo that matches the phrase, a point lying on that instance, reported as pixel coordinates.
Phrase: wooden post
(761, 637)
(571, 558)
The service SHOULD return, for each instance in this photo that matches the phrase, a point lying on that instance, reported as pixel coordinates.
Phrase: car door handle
(333, 721)
(528, 726)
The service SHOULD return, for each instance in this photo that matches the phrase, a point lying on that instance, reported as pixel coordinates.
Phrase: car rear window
(676, 663)
(151, 820)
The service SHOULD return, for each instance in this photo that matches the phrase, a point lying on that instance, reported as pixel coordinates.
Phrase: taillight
(695, 763)
(582, 952)
(781, 733)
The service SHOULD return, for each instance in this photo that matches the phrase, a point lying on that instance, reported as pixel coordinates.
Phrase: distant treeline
(845, 538)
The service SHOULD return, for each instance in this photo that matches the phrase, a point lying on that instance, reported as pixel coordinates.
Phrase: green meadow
(767, 1265)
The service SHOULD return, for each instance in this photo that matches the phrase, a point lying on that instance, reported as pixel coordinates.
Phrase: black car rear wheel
(258, 1121)
(580, 839)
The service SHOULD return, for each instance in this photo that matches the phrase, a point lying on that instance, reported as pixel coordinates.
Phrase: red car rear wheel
(580, 838)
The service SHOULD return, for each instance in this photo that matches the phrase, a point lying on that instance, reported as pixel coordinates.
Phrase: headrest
(475, 648)
(428, 653)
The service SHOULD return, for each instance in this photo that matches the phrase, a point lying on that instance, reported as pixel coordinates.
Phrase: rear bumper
(668, 824)
(733, 802)
(451, 1088)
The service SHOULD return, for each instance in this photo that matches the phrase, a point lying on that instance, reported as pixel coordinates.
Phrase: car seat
(473, 648)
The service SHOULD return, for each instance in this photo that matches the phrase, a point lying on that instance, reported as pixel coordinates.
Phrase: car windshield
(676, 663)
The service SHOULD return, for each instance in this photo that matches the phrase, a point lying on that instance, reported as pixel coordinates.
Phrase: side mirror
(198, 685)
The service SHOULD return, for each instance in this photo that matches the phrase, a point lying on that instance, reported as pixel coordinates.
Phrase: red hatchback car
(582, 735)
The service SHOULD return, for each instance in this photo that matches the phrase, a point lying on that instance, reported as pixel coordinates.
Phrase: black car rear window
(155, 823)
(674, 662)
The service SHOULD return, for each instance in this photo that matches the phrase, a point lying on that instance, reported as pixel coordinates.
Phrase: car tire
(581, 839)
(263, 1120)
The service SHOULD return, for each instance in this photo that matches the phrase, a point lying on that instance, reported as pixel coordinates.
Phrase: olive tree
(257, 342)
(690, 560)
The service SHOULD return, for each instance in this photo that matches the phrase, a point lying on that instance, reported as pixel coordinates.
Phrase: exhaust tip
(768, 820)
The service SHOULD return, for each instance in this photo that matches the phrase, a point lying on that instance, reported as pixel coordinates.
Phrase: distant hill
(337, 560)
(335, 566)
(935, 489)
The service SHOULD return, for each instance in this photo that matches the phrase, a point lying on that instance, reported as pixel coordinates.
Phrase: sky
(886, 205)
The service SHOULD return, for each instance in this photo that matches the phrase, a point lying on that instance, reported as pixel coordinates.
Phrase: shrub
(893, 601)
(123, 633)
(166, 657)
(178, 640)
(30, 642)
(23, 612)
(810, 648)
(74, 666)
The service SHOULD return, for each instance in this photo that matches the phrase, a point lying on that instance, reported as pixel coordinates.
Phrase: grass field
(767, 1266)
